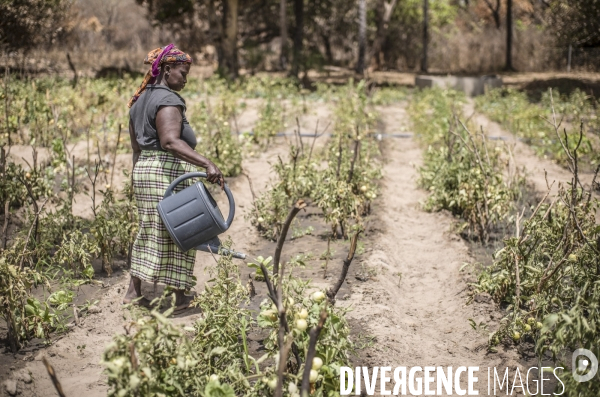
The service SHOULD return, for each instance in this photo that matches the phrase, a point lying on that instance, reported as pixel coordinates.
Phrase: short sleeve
(170, 99)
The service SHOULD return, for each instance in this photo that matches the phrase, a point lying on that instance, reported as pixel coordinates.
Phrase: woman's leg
(134, 293)
(182, 301)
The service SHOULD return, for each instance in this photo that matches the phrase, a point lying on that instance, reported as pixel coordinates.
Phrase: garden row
(546, 275)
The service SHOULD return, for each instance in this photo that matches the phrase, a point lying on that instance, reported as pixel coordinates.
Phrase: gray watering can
(193, 218)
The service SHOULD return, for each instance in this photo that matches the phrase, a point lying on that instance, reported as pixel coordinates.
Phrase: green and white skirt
(155, 257)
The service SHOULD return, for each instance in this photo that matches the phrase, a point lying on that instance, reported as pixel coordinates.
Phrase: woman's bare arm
(134, 143)
(168, 125)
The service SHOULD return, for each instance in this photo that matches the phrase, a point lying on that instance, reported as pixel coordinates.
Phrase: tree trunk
(424, 65)
(509, 35)
(283, 33)
(362, 36)
(385, 14)
(298, 36)
(228, 63)
(327, 45)
(495, 12)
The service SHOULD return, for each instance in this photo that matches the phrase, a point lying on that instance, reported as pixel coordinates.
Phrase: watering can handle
(189, 175)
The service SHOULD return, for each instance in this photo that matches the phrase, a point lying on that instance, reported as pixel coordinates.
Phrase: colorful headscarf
(157, 58)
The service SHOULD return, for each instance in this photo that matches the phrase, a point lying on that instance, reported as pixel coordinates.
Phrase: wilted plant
(25, 316)
(527, 120)
(344, 188)
(547, 274)
(463, 172)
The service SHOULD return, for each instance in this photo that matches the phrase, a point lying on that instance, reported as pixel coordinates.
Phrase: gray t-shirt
(143, 116)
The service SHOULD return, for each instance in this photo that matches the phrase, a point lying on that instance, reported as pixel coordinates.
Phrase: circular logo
(588, 364)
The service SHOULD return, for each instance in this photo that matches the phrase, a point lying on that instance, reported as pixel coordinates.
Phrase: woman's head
(170, 65)
(174, 75)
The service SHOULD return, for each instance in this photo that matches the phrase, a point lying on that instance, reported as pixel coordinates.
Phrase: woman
(163, 149)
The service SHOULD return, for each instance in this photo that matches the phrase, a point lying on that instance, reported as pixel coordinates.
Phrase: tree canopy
(26, 24)
(576, 22)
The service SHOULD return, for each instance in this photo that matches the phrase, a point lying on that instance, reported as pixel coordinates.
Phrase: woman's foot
(141, 301)
(182, 301)
(134, 294)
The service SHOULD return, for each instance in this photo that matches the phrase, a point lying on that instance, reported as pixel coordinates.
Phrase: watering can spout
(214, 246)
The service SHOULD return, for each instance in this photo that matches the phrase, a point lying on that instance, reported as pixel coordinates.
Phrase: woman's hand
(214, 175)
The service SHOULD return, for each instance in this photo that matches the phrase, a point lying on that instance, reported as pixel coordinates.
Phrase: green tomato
(531, 321)
(317, 363)
(272, 383)
(527, 327)
(303, 314)
(301, 325)
(538, 325)
(292, 388)
(313, 376)
(516, 336)
(270, 314)
(214, 378)
(318, 296)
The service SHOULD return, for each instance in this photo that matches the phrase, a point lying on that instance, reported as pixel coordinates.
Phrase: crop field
(383, 227)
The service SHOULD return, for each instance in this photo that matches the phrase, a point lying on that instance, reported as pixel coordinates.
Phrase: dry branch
(282, 318)
(35, 222)
(72, 67)
(75, 315)
(332, 292)
(53, 377)
(283, 355)
(310, 354)
(6, 220)
(112, 173)
(354, 157)
(298, 132)
(517, 270)
(300, 204)
(251, 186)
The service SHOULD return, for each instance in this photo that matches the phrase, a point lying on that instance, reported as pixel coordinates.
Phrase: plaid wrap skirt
(155, 257)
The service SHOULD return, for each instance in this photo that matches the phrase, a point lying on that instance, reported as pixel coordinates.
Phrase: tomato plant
(341, 180)
(529, 121)
(463, 172)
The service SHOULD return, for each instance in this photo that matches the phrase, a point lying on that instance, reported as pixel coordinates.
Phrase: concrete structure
(472, 86)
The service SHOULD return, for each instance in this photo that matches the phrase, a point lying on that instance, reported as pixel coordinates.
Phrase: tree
(575, 22)
(190, 19)
(283, 34)
(362, 36)
(424, 66)
(509, 35)
(495, 9)
(229, 63)
(384, 10)
(298, 36)
(25, 24)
